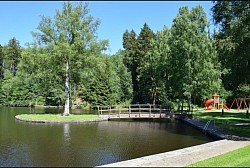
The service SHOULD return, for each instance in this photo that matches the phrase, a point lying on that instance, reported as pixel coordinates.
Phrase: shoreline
(213, 131)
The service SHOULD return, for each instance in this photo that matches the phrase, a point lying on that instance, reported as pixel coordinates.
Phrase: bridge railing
(140, 109)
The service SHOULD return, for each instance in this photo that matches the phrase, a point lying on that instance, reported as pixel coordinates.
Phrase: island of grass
(57, 118)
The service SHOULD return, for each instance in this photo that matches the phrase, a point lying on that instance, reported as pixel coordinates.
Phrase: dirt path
(183, 157)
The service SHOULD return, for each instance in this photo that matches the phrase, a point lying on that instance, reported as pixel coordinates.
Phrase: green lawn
(59, 117)
(236, 158)
(231, 120)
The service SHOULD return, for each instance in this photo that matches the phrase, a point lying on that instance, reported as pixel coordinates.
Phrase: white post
(129, 110)
(149, 111)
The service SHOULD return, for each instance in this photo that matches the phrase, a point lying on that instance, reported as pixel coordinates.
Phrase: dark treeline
(66, 62)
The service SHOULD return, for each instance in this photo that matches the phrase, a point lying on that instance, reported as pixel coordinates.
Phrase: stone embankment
(183, 157)
(213, 131)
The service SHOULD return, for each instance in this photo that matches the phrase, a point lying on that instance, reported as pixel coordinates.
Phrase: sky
(19, 18)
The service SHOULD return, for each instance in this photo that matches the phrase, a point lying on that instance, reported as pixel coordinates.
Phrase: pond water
(87, 144)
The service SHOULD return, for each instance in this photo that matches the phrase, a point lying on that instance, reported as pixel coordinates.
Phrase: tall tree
(13, 54)
(144, 81)
(194, 59)
(130, 45)
(159, 66)
(125, 79)
(233, 42)
(70, 36)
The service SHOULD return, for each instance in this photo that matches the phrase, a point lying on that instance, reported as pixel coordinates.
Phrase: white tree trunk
(66, 107)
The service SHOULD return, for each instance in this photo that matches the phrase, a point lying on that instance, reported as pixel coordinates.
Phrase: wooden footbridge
(135, 111)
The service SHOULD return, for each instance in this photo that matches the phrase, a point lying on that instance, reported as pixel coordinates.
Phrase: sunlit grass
(58, 117)
(236, 158)
(227, 121)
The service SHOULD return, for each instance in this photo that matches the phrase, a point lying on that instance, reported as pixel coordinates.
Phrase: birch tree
(70, 37)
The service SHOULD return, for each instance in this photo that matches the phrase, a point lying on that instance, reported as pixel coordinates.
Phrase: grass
(229, 121)
(59, 117)
(236, 158)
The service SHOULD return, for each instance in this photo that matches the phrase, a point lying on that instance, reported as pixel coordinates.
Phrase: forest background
(66, 62)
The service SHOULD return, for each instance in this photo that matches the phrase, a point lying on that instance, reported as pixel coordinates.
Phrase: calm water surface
(87, 144)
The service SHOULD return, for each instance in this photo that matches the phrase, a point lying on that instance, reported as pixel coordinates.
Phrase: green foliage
(144, 77)
(124, 77)
(12, 55)
(183, 61)
(130, 44)
(107, 81)
(233, 39)
(136, 49)
(69, 38)
(1, 62)
(243, 90)
(191, 49)
(158, 66)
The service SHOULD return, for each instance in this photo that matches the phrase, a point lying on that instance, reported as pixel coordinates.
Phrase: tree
(130, 52)
(70, 37)
(159, 66)
(125, 79)
(194, 59)
(13, 55)
(144, 80)
(135, 50)
(233, 42)
(101, 82)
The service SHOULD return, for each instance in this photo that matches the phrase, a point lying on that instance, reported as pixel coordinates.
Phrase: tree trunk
(66, 107)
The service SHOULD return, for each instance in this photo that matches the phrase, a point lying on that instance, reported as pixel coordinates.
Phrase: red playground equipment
(217, 104)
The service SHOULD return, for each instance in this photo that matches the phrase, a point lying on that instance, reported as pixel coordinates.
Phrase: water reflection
(87, 144)
(66, 131)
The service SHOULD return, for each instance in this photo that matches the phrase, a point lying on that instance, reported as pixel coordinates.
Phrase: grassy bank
(232, 120)
(58, 117)
(236, 158)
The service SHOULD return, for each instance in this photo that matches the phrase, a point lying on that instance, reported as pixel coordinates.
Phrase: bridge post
(119, 111)
(109, 111)
(182, 102)
(160, 111)
(98, 111)
(129, 110)
(150, 111)
(139, 111)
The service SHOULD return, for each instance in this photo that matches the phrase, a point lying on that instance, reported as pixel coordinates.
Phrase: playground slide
(208, 104)
(209, 107)
(225, 106)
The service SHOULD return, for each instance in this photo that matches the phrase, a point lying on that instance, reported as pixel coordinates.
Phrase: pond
(87, 144)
